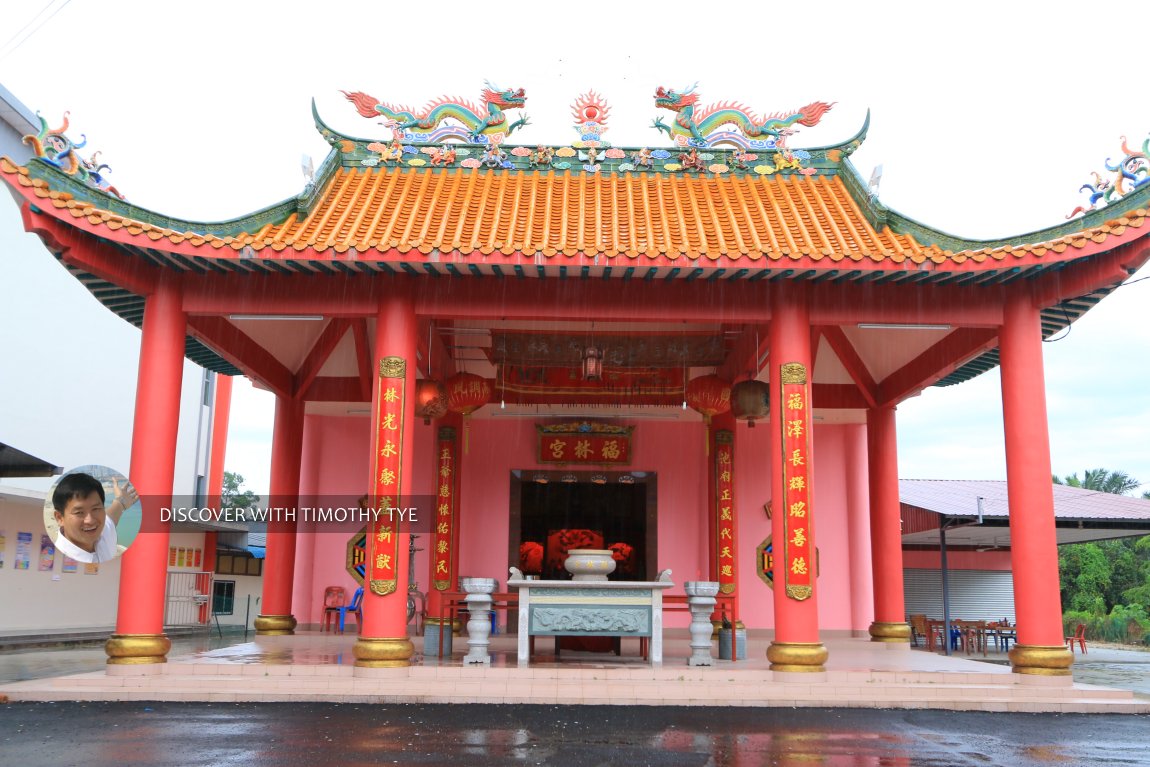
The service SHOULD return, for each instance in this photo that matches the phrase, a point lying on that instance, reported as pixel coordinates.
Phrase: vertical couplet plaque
(383, 530)
(798, 561)
(725, 510)
(445, 510)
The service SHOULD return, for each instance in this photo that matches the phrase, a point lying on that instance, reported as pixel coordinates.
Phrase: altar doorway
(554, 511)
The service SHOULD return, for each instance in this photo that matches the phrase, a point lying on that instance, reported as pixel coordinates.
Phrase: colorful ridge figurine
(1130, 173)
(55, 148)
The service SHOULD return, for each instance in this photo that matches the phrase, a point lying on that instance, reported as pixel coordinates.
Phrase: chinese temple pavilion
(689, 354)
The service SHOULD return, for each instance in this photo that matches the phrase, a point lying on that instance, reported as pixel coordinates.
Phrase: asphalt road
(254, 735)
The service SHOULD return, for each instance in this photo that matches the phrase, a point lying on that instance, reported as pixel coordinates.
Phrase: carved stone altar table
(590, 608)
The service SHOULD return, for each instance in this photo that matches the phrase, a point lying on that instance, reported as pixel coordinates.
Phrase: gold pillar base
(383, 652)
(889, 632)
(137, 649)
(806, 657)
(275, 625)
(1041, 660)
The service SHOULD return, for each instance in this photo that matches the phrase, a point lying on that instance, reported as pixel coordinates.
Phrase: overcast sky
(986, 117)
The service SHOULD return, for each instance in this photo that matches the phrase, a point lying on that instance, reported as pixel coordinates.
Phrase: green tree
(1084, 575)
(1097, 577)
(234, 495)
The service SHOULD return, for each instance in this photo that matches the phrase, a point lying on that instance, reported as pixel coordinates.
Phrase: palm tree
(1104, 481)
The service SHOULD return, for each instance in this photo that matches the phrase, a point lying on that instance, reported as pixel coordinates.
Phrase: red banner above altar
(566, 385)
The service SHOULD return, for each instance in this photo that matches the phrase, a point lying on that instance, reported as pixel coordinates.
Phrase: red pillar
(796, 647)
(139, 639)
(279, 566)
(383, 642)
(1034, 547)
(220, 414)
(858, 528)
(885, 528)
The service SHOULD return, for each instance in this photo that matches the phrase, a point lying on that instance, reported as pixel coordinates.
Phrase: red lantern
(710, 395)
(467, 392)
(430, 400)
(750, 400)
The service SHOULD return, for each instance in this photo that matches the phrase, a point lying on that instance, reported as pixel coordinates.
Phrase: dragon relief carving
(476, 123)
(701, 125)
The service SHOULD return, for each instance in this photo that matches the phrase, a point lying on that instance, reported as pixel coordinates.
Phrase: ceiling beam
(855, 367)
(935, 363)
(238, 348)
(320, 352)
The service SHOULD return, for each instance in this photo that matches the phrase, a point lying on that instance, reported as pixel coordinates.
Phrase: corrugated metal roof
(959, 498)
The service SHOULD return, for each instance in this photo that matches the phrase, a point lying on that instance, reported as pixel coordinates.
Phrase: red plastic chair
(1079, 637)
(334, 598)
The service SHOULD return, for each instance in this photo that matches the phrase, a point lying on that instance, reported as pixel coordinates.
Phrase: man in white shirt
(87, 529)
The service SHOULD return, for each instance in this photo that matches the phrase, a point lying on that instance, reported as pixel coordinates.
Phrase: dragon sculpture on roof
(479, 123)
(701, 125)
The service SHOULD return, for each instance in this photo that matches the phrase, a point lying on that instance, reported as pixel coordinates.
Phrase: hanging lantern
(430, 400)
(750, 400)
(710, 395)
(467, 392)
(592, 363)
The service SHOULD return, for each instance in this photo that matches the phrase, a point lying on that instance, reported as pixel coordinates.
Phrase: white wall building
(68, 371)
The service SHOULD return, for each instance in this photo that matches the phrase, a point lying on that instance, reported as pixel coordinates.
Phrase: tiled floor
(320, 667)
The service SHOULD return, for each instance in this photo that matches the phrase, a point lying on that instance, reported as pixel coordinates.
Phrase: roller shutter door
(974, 594)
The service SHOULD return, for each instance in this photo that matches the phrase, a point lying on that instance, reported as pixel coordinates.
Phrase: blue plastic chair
(355, 608)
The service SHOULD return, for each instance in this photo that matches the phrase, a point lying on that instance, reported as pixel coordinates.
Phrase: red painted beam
(635, 300)
(837, 396)
(935, 363)
(320, 352)
(337, 389)
(238, 348)
(851, 303)
(853, 363)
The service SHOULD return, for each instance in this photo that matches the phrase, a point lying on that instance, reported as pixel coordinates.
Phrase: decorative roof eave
(1127, 211)
(38, 174)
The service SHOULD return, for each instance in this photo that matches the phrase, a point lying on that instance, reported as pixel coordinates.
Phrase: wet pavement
(76, 658)
(127, 734)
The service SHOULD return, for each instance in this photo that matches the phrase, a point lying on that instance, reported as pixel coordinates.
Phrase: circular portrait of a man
(92, 514)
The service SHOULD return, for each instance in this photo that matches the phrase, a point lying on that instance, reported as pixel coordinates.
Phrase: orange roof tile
(711, 217)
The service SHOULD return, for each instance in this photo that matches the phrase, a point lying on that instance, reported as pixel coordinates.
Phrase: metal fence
(189, 599)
